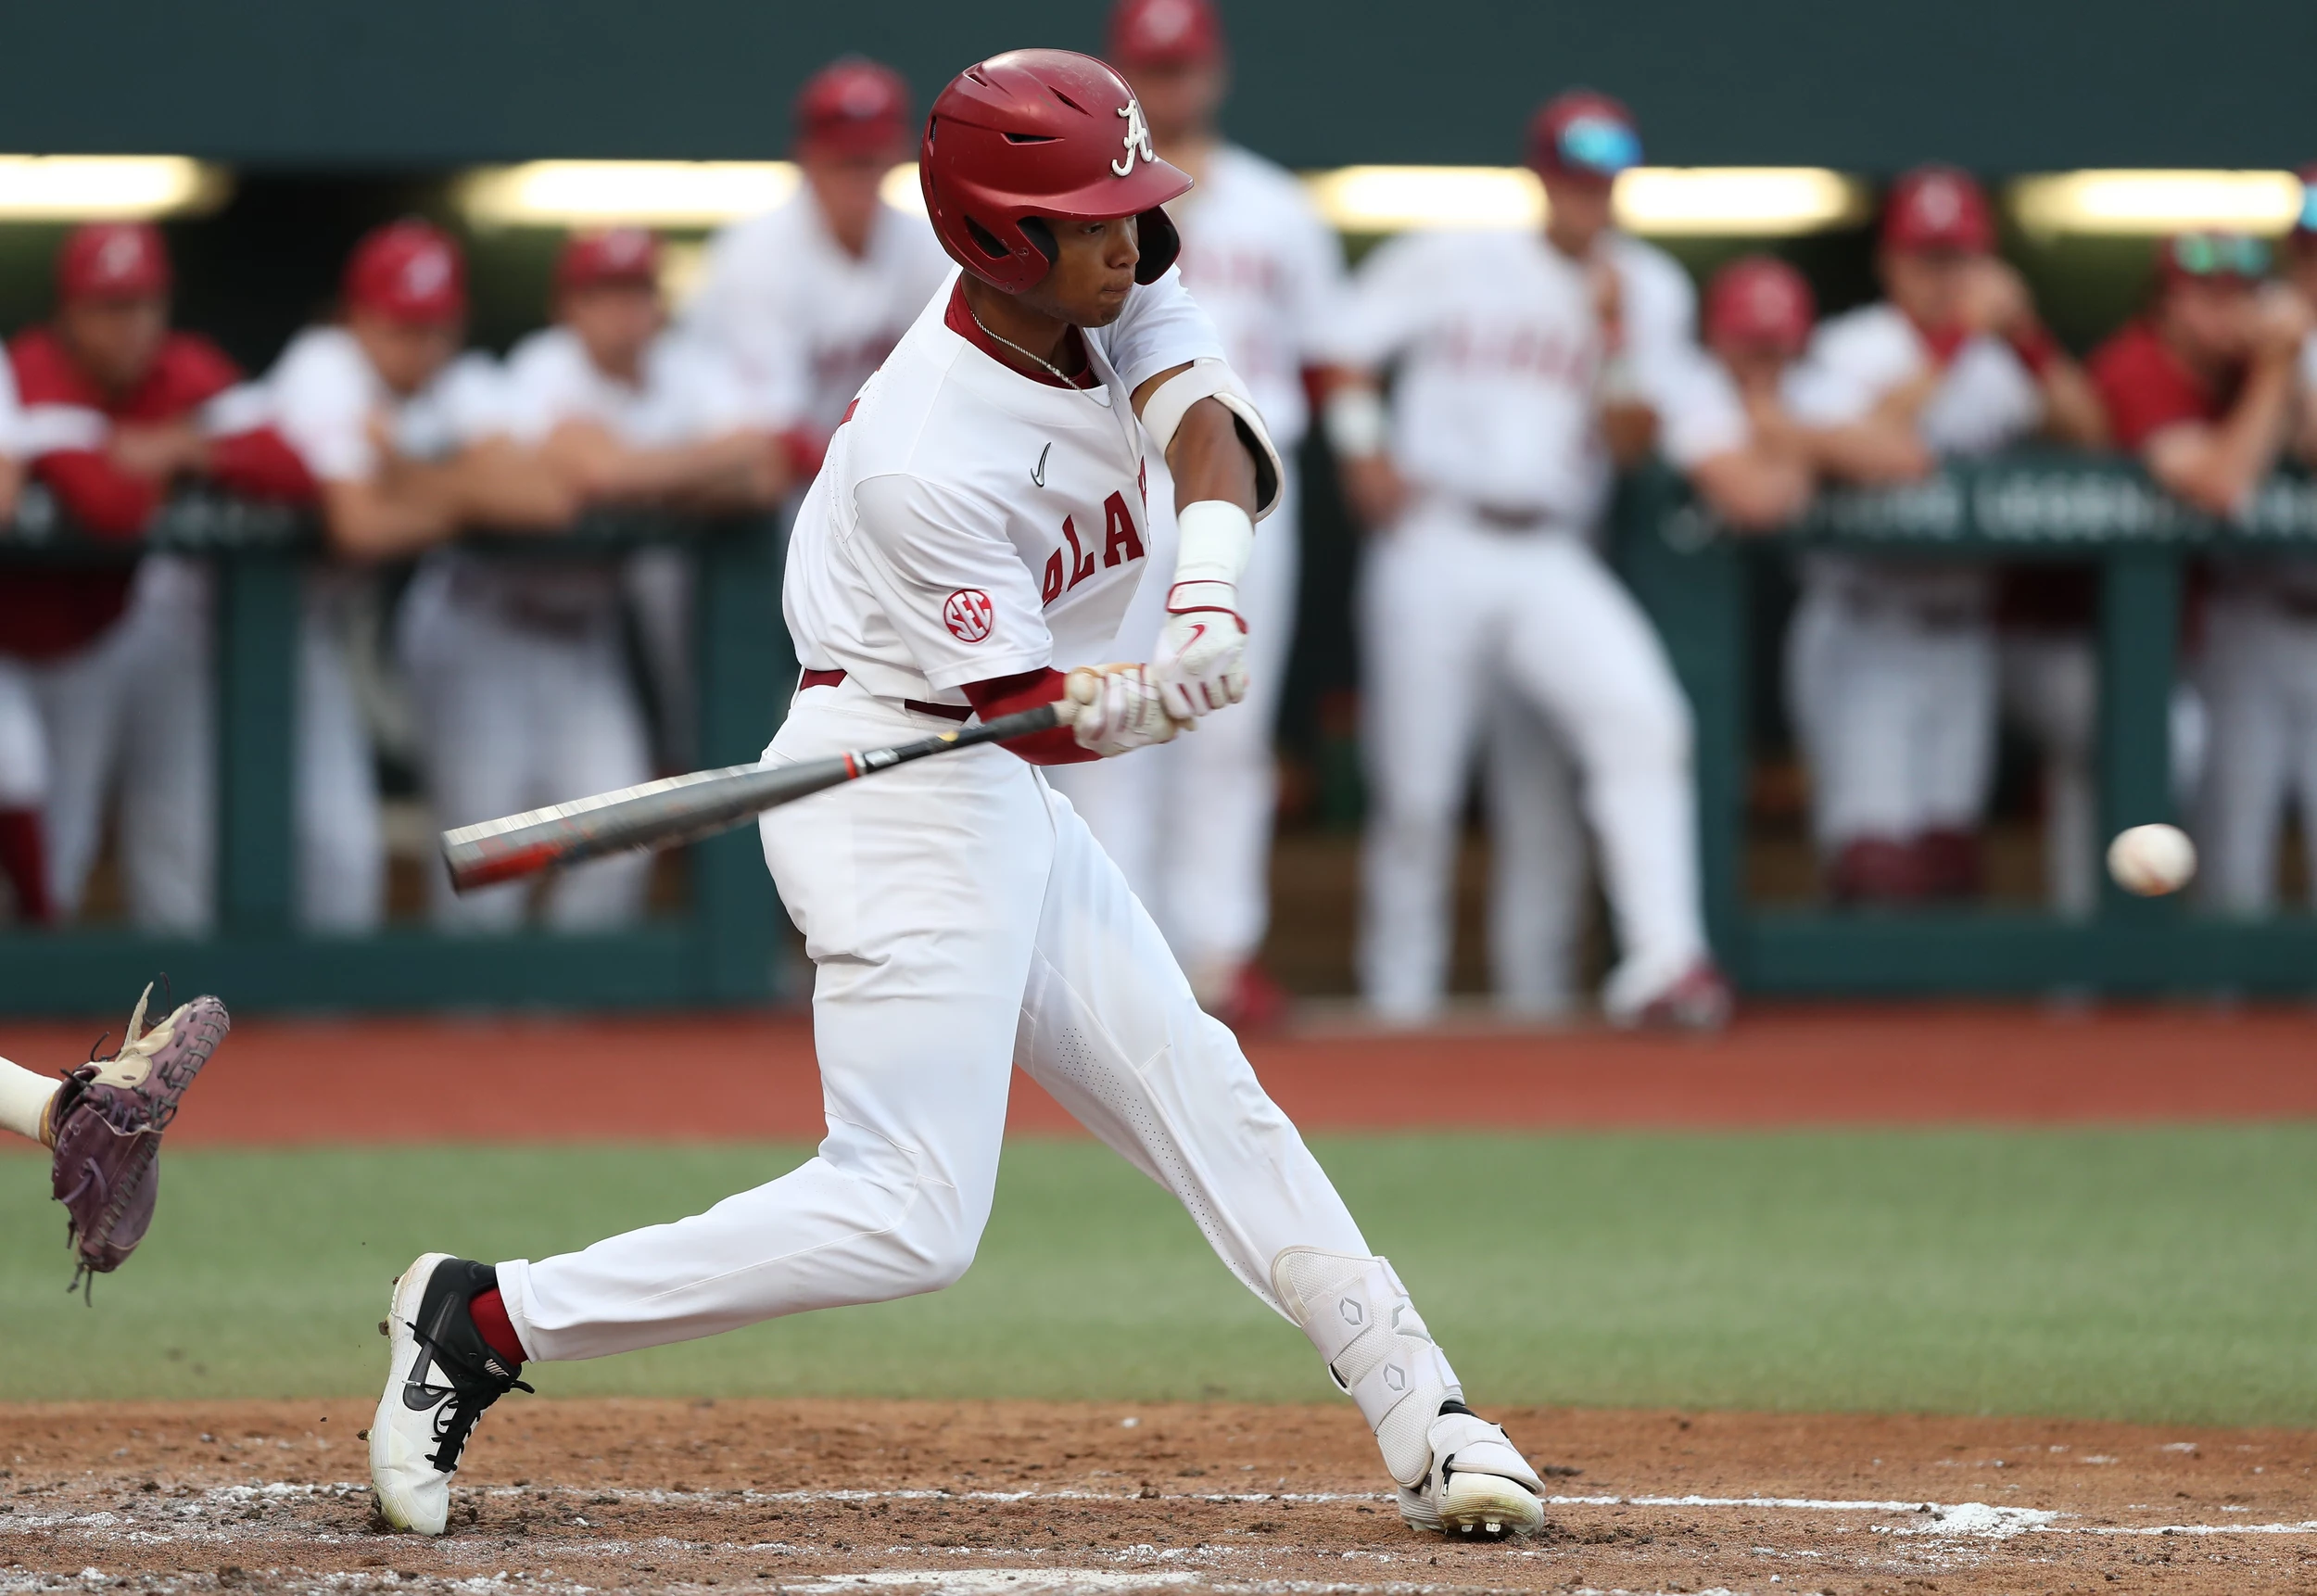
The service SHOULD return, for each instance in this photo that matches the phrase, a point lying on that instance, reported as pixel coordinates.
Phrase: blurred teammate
(2201, 388)
(809, 298)
(1727, 424)
(1480, 580)
(516, 661)
(405, 437)
(1578, 143)
(1191, 825)
(117, 408)
(977, 528)
(1891, 663)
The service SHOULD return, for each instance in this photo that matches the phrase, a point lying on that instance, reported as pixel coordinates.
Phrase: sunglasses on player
(2308, 223)
(1598, 145)
(2220, 255)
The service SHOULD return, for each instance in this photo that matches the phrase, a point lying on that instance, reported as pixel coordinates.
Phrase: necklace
(1059, 375)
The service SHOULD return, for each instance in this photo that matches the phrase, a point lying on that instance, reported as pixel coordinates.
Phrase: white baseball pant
(1893, 706)
(2049, 683)
(660, 582)
(23, 739)
(341, 842)
(135, 711)
(512, 717)
(963, 921)
(1452, 610)
(1538, 868)
(2259, 687)
(1189, 822)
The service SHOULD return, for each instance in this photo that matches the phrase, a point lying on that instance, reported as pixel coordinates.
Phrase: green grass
(2165, 1274)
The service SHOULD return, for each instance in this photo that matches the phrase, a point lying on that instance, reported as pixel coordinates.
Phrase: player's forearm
(1874, 452)
(495, 483)
(1751, 490)
(736, 469)
(2218, 468)
(1208, 461)
(2073, 411)
(11, 485)
(375, 520)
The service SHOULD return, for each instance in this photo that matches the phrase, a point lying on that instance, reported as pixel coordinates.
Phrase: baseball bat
(685, 808)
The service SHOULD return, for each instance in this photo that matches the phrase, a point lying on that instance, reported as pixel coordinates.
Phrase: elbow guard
(1163, 412)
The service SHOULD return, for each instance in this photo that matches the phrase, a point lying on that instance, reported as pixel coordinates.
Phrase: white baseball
(2152, 860)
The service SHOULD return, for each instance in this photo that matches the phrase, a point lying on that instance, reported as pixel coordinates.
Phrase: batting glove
(1114, 709)
(1201, 660)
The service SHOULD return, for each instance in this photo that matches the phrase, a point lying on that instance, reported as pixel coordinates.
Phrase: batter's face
(1577, 208)
(1179, 99)
(406, 355)
(615, 322)
(114, 341)
(1093, 273)
(1929, 284)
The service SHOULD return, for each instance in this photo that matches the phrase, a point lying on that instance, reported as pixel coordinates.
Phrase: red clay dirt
(751, 1076)
(1017, 1498)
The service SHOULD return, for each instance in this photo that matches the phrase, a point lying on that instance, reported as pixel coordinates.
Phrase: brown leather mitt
(105, 1122)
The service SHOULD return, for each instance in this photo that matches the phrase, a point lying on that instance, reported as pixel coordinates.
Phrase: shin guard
(1376, 1347)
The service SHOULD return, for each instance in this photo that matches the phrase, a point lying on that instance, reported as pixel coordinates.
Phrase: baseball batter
(970, 546)
(1890, 664)
(516, 663)
(1190, 826)
(407, 441)
(1481, 579)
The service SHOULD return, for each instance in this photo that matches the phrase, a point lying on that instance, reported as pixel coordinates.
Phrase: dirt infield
(753, 1076)
(826, 1497)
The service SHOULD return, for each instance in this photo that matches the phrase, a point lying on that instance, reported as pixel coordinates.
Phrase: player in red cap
(406, 439)
(969, 546)
(1191, 824)
(118, 410)
(1892, 665)
(1726, 425)
(2202, 386)
(517, 665)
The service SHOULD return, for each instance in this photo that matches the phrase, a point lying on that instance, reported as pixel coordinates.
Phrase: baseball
(2152, 860)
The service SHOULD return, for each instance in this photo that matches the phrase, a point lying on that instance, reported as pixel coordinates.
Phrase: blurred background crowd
(1435, 594)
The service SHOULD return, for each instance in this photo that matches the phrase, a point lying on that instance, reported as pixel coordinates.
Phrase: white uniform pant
(2259, 681)
(963, 921)
(1190, 822)
(515, 717)
(1451, 612)
(135, 713)
(2050, 687)
(1894, 708)
(23, 739)
(341, 844)
(1538, 865)
(661, 583)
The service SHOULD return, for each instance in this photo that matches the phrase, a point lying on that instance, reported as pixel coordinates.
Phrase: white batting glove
(1201, 659)
(1114, 709)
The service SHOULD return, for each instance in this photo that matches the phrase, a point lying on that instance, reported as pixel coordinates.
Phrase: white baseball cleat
(440, 1375)
(1478, 1485)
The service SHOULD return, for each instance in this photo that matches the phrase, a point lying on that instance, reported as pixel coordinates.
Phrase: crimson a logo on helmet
(1137, 139)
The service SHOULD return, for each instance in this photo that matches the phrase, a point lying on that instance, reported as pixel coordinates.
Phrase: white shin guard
(1376, 1347)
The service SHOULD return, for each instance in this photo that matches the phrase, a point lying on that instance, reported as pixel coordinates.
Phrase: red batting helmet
(1938, 208)
(1583, 134)
(1038, 135)
(853, 106)
(1758, 301)
(411, 270)
(612, 254)
(112, 261)
(1165, 34)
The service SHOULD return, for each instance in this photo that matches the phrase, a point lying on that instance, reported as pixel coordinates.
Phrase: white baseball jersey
(1269, 272)
(808, 321)
(1699, 410)
(1658, 309)
(972, 521)
(1500, 350)
(325, 394)
(687, 392)
(11, 413)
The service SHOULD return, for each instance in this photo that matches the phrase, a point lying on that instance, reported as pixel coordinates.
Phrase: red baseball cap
(855, 108)
(1582, 133)
(112, 261)
(611, 255)
(1165, 34)
(1758, 301)
(1938, 208)
(411, 270)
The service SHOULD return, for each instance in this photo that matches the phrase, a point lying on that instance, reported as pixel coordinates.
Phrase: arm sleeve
(949, 580)
(1161, 327)
(103, 501)
(260, 464)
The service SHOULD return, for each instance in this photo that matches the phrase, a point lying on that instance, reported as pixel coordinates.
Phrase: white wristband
(1355, 422)
(1216, 539)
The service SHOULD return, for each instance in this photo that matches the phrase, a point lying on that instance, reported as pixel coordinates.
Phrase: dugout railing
(1694, 578)
(723, 946)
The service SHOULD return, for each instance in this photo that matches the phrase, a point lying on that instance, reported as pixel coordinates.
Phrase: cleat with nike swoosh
(440, 1375)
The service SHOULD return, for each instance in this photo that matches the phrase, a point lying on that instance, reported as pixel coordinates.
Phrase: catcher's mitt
(106, 1124)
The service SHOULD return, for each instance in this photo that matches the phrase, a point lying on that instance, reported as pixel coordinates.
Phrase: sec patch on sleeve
(968, 614)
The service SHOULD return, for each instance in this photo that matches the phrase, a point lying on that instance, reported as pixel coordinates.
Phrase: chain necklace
(1059, 375)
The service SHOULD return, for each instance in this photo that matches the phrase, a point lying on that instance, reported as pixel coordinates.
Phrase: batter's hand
(1116, 708)
(1200, 665)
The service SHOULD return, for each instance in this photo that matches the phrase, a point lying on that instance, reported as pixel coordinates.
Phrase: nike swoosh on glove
(1201, 660)
(1116, 708)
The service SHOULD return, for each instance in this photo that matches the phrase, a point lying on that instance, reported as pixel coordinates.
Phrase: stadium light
(1735, 201)
(679, 194)
(107, 187)
(2152, 202)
